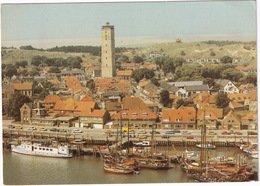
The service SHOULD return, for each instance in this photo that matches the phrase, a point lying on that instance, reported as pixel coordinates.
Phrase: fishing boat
(119, 165)
(153, 163)
(208, 146)
(39, 149)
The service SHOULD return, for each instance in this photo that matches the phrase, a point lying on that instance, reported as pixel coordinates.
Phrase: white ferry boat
(37, 149)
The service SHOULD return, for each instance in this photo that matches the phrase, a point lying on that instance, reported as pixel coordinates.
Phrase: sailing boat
(154, 160)
(116, 163)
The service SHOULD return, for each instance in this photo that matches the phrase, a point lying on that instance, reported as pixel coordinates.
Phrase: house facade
(182, 118)
(230, 122)
(135, 119)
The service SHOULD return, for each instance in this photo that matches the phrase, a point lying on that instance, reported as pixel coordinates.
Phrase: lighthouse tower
(108, 64)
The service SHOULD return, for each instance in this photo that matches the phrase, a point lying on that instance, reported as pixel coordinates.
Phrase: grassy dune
(191, 50)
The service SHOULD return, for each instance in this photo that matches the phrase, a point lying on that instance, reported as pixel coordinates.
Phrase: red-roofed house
(182, 118)
(50, 101)
(124, 74)
(94, 118)
(210, 117)
(23, 88)
(71, 107)
(249, 122)
(230, 122)
(135, 119)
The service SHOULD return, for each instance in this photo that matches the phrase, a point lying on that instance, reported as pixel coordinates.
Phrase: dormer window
(144, 114)
(124, 114)
(134, 114)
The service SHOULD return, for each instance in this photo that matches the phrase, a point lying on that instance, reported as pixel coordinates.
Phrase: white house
(227, 86)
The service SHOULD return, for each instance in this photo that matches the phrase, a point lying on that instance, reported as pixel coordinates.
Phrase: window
(190, 126)
(124, 114)
(178, 119)
(134, 114)
(178, 126)
(144, 114)
(50, 149)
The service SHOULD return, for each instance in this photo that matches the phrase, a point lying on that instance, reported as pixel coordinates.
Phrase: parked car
(251, 133)
(165, 136)
(212, 133)
(238, 133)
(63, 130)
(176, 131)
(108, 132)
(142, 132)
(169, 132)
(77, 131)
(189, 137)
(155, 132)
(10, 126)
(185, 132)
(31, 128)
(42, 129)
(142, 137)
(54, 130)
(225, 133)
(18, 127)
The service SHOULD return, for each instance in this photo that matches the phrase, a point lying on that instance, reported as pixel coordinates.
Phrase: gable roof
(124, 73)
(250, 116)
(231, 114)
(210, 113)
(196, 88)
(239, 97)
(22, 86)
(93, 113)
(72, 105)
(52, 99)
(133, 103)
(181, 115)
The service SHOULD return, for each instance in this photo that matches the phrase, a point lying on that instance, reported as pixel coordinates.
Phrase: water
(31, 170)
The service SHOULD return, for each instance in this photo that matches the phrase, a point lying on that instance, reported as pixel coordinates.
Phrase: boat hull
(32, 153)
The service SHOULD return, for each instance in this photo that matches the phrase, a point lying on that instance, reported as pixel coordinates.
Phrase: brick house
(230, 122)
(93, 119)
(249, 122)
(24, 88)
(182, 118)
(210, 117)
(136, 119)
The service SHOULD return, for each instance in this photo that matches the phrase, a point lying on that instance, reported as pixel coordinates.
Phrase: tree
(15, 103)
(165, 98)
(74, 62)
(226, 59)
(123, 58)
(231, 74)
(212, 53)
(35, 71)
(250, 78)
(183, 53)
(10, 71)
(54, 69)
(91, 85)
(138, 59)
(222, 100)
(37, 60)
(155, 82)
(141, 73)
(179, 103)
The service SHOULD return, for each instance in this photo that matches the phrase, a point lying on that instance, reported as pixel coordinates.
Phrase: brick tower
(108, 65)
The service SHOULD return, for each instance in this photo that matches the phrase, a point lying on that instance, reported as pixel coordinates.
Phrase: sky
(134, 19)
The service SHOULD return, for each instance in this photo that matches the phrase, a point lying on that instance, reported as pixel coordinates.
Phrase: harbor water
(21, 169)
